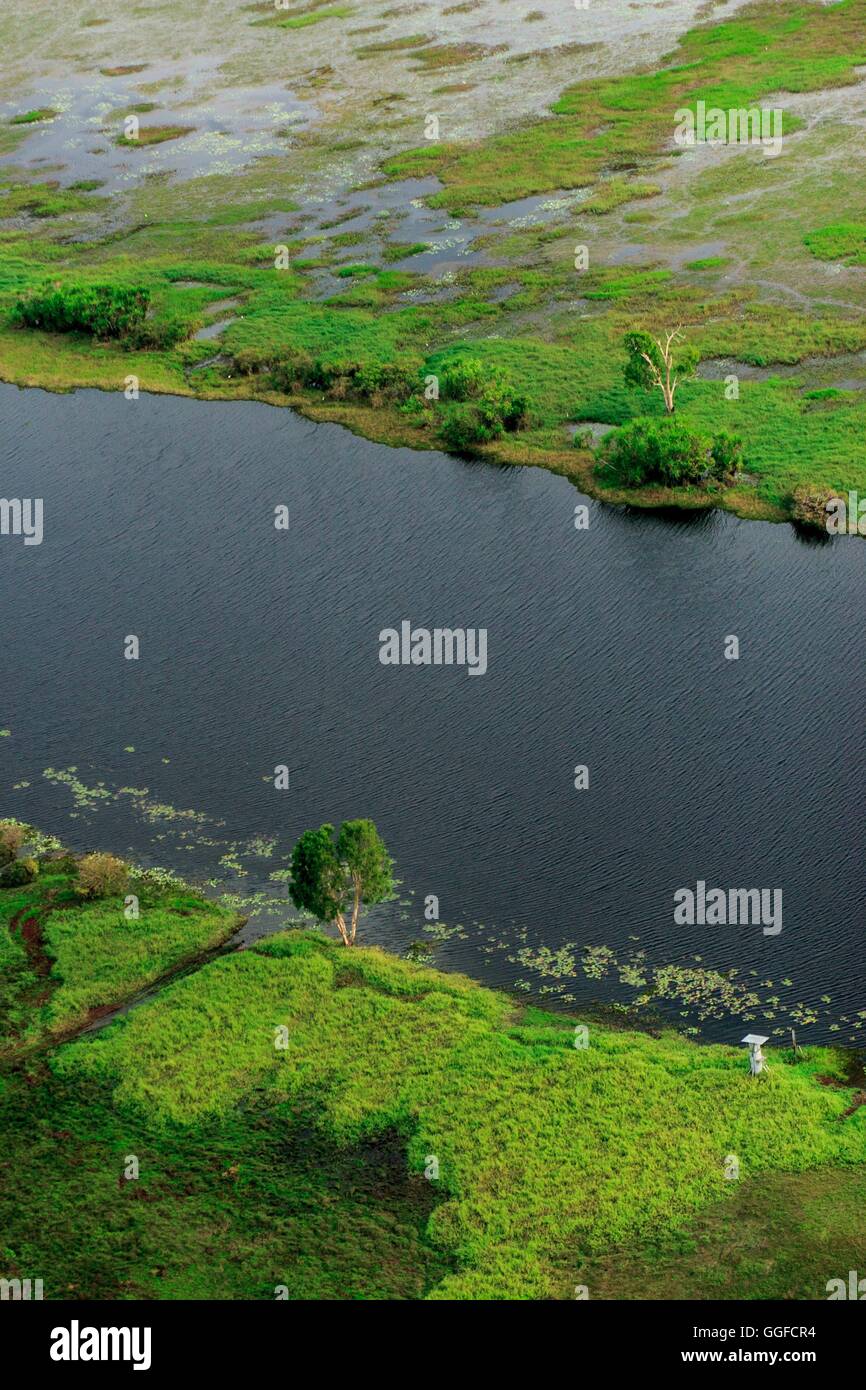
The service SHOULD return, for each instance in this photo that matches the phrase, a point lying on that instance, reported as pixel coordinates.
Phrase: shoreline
(385, 428)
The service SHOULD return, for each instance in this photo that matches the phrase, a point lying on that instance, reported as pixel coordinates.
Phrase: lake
(259, 648)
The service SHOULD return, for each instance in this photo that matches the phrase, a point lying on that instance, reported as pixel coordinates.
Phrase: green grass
(780, 1236)
(154, 135)
(612, 193)
(41, 113)
(86, 956)
(567, 364)
(229, 1209)
(45, 199)
(302, 21)
(547, 1155)
(843, 241)
(610, 123)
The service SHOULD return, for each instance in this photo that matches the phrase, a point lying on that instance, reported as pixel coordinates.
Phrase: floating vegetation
(262, 846)
(702, 994)
(85, 797)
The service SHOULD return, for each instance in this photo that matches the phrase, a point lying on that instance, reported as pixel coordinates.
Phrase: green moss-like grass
(40, 113)
(842, 241)
(81, 957)
(154, 135)
(612, 122)
(546, 1154)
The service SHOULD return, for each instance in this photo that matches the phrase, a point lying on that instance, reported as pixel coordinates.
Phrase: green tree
(659, 365)
(332, 879)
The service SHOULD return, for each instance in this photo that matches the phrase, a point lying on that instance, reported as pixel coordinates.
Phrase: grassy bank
(342, 1123)
(348, 303)
(65, 960)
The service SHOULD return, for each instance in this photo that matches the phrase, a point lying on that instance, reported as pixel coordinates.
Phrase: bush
(12, 837)
(249, 361)
(157, 333)
(664, 451)
(59, 864)
(726, 455)
(465, 425)
(105, 311)
(483, 403)
(809, 506)
(388, 381)
(18, 873)
(377, 382)
(290, 369)
(101, 876)
(463, 380)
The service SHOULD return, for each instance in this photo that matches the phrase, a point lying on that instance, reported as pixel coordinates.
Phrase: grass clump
(612, 193)
(103, 311)
(41, 113)
(154, 135)
(842, 241)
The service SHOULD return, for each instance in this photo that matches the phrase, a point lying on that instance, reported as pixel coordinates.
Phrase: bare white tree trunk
(668, 382)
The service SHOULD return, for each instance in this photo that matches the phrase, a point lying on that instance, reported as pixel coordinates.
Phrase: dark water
(605, 648)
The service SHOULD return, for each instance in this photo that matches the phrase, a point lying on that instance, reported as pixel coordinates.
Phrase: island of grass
(154, 135)
(40, 113)
(307, 1120)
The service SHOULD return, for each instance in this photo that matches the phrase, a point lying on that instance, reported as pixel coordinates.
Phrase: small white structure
(757, 1062)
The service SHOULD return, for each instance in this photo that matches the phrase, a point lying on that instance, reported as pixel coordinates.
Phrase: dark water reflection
(605, 648)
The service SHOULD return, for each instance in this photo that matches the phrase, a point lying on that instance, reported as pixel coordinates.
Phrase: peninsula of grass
(359, 1126)
(66, 959)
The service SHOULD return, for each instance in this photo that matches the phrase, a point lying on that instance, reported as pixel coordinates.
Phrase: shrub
(501, 403)
(157, 333)
(388, 381)
(105, 311)
(59, 864)
(464, 425)
(18, 873)
(249, 361)
(377, 382)
(463, 379)
(809, 506)
(483, 403)
(290, 370)
(726, 456)
(664, 451)
(12, 837)
(101, 876)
